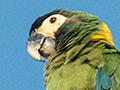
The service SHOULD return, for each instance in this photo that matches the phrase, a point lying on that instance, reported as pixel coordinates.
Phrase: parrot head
(60, 30)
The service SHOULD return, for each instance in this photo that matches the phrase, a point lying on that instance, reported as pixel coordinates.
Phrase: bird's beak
(39, 45)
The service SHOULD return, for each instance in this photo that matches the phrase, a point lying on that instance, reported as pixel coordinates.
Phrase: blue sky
(18, 71)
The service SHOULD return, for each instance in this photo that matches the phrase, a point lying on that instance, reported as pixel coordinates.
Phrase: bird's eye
(53, 19)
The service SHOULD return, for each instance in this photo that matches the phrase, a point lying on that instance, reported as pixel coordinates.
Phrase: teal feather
(98, 80)
(106, 80)
(103, 81)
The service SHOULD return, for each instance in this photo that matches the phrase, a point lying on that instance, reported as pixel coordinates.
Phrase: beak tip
(42, 60)
(34, 53)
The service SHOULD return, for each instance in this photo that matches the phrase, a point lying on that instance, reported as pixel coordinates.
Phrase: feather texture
(85, 57)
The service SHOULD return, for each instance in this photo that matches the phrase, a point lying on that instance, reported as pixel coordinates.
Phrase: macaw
(80, 51)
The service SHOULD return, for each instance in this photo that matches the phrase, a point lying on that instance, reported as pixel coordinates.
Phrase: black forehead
(37, 23)
(39, 20)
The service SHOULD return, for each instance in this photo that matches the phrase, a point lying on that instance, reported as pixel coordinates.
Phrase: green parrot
(80, 51)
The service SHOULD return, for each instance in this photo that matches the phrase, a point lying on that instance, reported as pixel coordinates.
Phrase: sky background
(18, 71)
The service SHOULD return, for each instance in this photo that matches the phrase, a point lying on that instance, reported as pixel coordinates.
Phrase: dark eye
(53, 19)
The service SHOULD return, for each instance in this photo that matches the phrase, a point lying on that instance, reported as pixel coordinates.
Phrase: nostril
(38, 37)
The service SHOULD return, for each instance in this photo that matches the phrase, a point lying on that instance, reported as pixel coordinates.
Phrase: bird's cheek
(47, 31)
